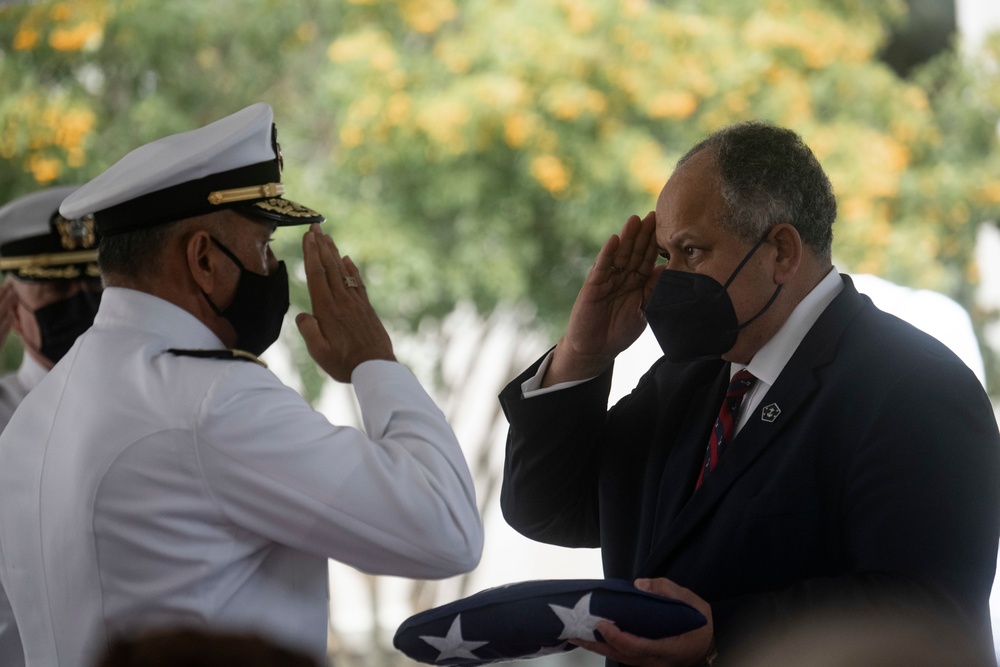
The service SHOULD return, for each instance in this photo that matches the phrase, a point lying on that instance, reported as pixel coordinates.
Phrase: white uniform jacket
(13, 388)
(139, 488)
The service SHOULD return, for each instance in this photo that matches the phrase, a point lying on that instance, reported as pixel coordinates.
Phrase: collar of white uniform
(177, 327)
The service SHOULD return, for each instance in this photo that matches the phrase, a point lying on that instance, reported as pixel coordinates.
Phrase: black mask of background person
(258, 307)
(60, 323)
(692, 316)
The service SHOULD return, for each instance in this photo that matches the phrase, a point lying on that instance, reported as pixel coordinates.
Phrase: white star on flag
(578, 622)
(453, 645)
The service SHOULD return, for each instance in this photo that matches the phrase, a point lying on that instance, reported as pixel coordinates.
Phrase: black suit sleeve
(551, 468)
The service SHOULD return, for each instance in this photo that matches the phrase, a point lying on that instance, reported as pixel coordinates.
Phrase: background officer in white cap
(146, 483)
(52, 287)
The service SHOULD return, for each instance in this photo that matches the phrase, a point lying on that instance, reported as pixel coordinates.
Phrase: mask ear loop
(732, 277)
(743, 262)
(229, 253)
(777, 290)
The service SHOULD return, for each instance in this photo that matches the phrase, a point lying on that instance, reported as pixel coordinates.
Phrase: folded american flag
(530, 619)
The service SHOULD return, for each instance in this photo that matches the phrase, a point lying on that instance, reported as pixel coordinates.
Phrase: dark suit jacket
(872, 479)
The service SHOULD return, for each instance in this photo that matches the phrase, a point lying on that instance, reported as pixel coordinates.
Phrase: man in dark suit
(865, 478)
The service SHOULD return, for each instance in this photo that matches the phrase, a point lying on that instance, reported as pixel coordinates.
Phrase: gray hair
(767, 176)
(130, 258)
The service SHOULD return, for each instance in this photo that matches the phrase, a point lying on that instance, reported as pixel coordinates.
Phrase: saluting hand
(344, 329)
(607, 316)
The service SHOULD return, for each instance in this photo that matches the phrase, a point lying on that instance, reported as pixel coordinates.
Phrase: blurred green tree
(481, 151)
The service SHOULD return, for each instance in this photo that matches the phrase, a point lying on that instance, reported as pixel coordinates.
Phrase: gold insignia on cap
(285, 207)
(52, 267)
(50, 273)
(76, 233)
(242, 194)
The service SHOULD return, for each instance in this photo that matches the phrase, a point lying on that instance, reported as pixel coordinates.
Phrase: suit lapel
(779, 407)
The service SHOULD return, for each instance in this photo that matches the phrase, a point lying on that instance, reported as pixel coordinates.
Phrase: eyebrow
(680, 239)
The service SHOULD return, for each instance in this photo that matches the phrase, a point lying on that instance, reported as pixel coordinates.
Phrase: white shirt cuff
(533, 385)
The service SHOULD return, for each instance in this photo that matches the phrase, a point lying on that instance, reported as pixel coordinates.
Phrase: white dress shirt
(139, 488)
(769, 361)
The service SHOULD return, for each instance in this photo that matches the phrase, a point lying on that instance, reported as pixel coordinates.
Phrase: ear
(788, 246)
(202, 263)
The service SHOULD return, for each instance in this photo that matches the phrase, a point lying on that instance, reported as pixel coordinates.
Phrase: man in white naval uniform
(52, 287)
(160, 477)
(49, 297)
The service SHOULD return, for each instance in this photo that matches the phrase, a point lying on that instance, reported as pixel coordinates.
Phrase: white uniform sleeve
(396, 500)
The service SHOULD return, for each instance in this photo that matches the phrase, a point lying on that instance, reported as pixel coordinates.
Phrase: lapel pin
(770, 412)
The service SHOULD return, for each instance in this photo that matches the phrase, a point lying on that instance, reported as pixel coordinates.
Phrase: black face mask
(62, 322)
(693, 317)
(258, 307)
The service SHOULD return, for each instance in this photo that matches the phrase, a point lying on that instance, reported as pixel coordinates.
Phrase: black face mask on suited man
(692, 316)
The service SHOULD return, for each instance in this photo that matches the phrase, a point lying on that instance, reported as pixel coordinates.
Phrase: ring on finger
(350, 281)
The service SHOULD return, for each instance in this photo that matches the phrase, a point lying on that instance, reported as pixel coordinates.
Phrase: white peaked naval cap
(233, 163)
(38, 244)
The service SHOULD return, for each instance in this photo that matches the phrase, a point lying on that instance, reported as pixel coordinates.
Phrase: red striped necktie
(725, 425)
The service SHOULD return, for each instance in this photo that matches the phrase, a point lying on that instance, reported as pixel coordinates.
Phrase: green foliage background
(481, 150)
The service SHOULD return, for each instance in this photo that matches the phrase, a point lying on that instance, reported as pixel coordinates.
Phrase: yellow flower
(500, 92)
(444, 121)
(87, 36)
(517, 128)
(73, 127)
(551, 173)
(991, 192)
(372, 45)
(45, 170)
(25, 39)
(672, 104)
(426, 16)
(351, 136)
(648, 167)
(397, 109)
(581, 17)
(886, 160)
(915, 97)
(634, 7)
(857, 208)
